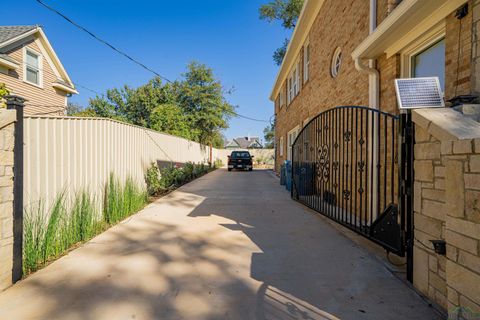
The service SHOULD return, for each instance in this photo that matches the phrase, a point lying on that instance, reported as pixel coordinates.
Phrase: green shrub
(218, 163)
(49, 233)
(152, 179)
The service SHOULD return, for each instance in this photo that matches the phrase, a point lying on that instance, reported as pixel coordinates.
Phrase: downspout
(374, 75)
(374, 103)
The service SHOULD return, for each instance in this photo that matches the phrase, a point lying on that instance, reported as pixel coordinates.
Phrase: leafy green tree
(269, 136)
(201, 97)
(286, 11)
(193, 107)
(169, 118)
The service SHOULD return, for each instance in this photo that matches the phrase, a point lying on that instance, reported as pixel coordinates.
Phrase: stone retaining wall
(7, 123)
(447, 207)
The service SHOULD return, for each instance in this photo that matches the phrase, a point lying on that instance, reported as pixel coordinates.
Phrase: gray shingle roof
(9, 32)
(246, 142)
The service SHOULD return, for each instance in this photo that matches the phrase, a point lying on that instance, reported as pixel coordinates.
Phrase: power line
(76, 84)
(125, 55)
(103, 41)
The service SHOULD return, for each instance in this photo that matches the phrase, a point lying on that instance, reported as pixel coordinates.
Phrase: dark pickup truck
(240, 160)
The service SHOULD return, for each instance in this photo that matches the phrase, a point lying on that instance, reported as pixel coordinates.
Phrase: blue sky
(227, 35)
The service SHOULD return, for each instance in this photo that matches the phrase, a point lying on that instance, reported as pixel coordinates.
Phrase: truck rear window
(240, 155)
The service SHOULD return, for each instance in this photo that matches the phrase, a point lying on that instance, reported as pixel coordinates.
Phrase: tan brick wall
(447, 207)
(329, 31)
(458, 55)
(6, 196)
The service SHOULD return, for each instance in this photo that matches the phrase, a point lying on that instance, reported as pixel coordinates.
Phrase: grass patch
(49, 233)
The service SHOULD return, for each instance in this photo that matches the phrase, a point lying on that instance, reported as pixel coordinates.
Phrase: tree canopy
(193, 107)
(269, 136)
(286, 11)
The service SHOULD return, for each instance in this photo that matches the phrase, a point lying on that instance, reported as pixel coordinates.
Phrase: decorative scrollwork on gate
(323, 163)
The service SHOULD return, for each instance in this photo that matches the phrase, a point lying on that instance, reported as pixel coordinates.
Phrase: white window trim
(306, 61)
(428, 39)
(40, 67)
(282, 98)
(334, 66)
(281, 146)
(295, 131)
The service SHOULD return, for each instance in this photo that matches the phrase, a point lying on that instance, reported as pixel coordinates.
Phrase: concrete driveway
(230, 245)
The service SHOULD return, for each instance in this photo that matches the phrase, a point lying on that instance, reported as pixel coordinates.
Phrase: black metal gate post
(407, 134)
(17, 103)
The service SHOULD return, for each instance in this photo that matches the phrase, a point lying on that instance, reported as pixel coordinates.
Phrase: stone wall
(7, 122)
(447, 207)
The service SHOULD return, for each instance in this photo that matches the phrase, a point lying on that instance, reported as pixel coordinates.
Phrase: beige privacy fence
(71, 154)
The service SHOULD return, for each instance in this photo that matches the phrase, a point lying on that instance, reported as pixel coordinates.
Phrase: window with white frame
(289, 90)
(297, 78)
(430, 62)
(292, 135)
(425, 56)
(33, 67)
(306, 62)
(282, 98)
(281, 146)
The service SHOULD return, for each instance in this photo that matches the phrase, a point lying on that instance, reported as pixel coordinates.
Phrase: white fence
(68, 153)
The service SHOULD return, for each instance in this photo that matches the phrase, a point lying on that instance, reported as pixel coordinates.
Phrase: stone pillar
(7, 130)
(447, 207)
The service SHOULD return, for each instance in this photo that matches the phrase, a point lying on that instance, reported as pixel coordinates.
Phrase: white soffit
(406, 23)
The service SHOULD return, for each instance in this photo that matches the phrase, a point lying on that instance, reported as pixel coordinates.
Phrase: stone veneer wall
(447, 207)
(7, 123)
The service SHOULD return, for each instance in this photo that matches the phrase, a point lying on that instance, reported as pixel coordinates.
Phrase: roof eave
(307, 17)
(408, 21)
(9, 64)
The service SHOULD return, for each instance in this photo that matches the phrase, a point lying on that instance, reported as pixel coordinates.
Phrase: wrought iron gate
(345, 166)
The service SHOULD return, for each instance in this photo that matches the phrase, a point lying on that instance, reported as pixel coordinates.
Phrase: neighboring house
(30, 68)
(327, 60)
(244, 143)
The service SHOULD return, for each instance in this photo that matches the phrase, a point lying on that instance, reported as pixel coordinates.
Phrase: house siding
(46, 100)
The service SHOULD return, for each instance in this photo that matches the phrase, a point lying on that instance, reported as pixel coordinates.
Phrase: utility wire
(125, 54)
(102, 41)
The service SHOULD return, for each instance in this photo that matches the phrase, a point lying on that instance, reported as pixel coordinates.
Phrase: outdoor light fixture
(439, 246)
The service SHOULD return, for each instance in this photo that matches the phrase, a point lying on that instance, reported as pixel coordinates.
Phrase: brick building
(349, 52)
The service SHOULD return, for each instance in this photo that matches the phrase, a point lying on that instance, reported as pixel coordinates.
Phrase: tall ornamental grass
(49, 233)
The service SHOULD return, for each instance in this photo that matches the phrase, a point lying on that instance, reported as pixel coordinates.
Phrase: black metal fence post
(17, 103)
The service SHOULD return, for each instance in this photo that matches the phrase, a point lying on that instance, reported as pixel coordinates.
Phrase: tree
(170, 118)
(201, 96)
(73, 109)
(269, 136)
(287, 11)
(193, 107)
(3, 92)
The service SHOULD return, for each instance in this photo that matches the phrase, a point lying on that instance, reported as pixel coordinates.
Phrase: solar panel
(415, 93)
